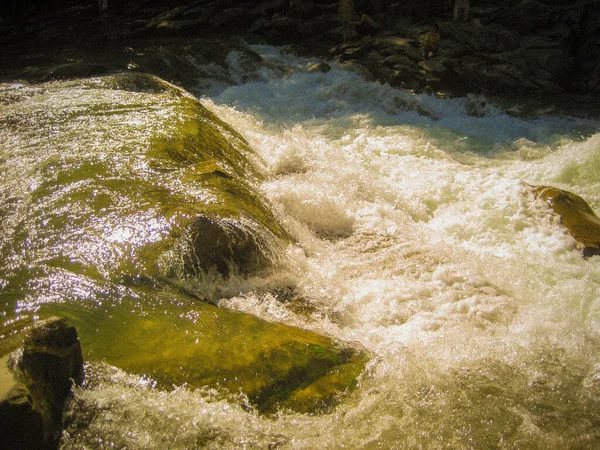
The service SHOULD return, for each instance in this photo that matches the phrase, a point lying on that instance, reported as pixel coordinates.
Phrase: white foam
(418, 238)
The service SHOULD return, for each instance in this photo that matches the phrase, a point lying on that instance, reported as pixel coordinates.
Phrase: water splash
(417, 237)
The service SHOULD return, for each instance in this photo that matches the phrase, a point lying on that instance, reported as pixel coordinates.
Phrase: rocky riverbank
(528, 56)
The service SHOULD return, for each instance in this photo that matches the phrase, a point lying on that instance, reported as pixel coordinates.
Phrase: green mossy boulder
(180, 342)
(128, 176)
(576, 215)
(121, 193)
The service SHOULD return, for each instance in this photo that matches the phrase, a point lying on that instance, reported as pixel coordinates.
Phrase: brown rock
(51, 362)
(576, 215)
(35, 383)
(21, 426)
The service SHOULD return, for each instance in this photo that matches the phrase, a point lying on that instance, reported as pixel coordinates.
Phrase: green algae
(576, 216)
(115, 189)
(176, 342)
(120, 169)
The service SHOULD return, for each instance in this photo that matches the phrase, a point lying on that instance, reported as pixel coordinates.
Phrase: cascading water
(417, 237)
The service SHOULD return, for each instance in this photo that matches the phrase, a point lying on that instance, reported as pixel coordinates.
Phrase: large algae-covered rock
(576, 215)
(106, 176)
(179, 342)
(116, 189)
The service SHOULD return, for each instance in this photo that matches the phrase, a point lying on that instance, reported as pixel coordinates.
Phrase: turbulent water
(417, 237)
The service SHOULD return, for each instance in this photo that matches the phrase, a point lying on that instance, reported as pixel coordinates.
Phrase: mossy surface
(576, 215)
(117, 188)
(110, 173)
(177, 342)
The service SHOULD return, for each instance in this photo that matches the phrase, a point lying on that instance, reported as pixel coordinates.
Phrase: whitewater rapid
(416, 236)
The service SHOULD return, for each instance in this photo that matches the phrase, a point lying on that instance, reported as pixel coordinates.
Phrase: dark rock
(175, 27)
(38, 386)
(21, 426)
(51, 363)
(221, 245)
(319, 67)
(512, 47)
(75, 70)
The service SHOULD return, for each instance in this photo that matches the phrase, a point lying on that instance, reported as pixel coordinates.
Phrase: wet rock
(159, 175)
(319, 67)
(531, 49)
(37, 385)
(21, 426)
(476, 106)
(510, 48)
(218, 245)
(51, 364)
(75, 70)
(200, 185)
(576, 215)
(244, 65)
(185, 62)
(410, 104)
(197, 344)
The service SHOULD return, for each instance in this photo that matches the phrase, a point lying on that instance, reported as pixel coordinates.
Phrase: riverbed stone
(575, 215)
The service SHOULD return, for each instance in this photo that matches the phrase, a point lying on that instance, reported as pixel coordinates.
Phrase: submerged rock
(576, 215)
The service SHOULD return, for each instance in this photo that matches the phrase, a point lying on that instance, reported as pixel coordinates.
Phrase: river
(418, 237)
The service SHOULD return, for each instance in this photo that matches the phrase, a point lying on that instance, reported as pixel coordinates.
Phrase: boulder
(576, 215)
(51, 363)
(178, 341)
(312, 28)
(74, 70)
(322, 67)
(21, 426)
(37, 385)
(219, 245)
(130, 214)
(195, 196)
